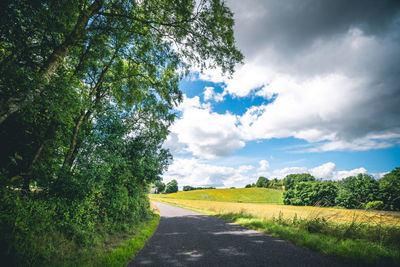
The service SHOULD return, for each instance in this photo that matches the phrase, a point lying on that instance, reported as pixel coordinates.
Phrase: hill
(249, 195)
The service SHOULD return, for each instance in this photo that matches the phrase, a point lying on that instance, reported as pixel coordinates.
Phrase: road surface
(188, 238)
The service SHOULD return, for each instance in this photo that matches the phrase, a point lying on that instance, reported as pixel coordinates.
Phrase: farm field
(266, 203)
(269, 211)
(247, 195)
(357, 237)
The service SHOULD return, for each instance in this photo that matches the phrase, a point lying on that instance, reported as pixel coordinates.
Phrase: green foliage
(171, 187)
(262, 182)
(248, 186)
(357, 244)
(374, 205)
(191, 188)
(125, 251)
(291, 180)
(389, 187)
(87, 91)
(356, 191)
(311, 194)
(160, 186)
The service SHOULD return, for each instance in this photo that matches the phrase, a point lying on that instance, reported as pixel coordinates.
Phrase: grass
(248, 195)
(316, 235)
(122, 254)
(353, 236)
(119, 249)
(268, 211)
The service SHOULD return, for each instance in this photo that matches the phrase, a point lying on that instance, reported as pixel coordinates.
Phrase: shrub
(374, 205)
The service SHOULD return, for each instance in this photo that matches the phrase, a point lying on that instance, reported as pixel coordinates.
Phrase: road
(188, 238)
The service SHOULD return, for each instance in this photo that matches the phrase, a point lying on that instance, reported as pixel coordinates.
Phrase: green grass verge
(247, 195)
(356, 244)
(122, 254)
(119, 250)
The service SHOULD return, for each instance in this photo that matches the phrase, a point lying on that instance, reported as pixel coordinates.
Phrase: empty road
(188, 238)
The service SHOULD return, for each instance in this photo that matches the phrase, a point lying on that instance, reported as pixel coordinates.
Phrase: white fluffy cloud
(337, 82)
(264, 165)
(209, 94)
(204, 133)
(196, 172)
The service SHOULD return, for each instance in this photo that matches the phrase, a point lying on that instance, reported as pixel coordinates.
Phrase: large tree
(389, 187)
(61, 60)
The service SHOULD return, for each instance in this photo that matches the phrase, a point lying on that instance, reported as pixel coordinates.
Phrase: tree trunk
(54, 60)
(85, 113)
(28, 174)
(74, 138)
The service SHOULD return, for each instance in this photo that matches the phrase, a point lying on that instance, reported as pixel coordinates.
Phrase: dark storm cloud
(305, 39)
(292, 25)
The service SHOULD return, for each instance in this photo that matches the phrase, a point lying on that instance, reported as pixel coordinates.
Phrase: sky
(318, 92)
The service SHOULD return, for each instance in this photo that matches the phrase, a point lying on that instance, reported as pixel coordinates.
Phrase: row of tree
(361, 191)
(191, 188)
(264, 182)
(87, 93)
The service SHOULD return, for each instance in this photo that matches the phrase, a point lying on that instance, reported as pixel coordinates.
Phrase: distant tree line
(264, 182)
(361, 191)
(191, 188)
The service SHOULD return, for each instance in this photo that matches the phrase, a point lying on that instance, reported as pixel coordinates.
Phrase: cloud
(326, 171)
(195, 172)
(209, 94)
(204, 133)
(264, 165)
(331, 69)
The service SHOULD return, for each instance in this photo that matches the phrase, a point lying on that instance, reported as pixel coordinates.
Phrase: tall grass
(354, 243)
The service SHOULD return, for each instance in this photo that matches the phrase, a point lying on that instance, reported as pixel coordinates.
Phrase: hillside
(249, 195)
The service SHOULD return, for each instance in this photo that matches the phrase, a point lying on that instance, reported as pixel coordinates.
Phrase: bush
(374, 205)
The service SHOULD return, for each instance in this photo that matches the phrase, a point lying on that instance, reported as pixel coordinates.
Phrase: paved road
(188, 238)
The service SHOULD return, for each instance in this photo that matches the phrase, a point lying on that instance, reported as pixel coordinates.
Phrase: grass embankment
(247, 195)
(355, 236)
(119, 250)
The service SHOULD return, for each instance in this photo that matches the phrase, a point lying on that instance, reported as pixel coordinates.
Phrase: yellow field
(269, 211)
(248, 195)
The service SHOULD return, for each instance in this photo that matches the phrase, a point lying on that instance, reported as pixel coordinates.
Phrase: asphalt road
(188, 238)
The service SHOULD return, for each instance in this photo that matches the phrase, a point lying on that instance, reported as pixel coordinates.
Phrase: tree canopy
(172, 187)
(87, 91)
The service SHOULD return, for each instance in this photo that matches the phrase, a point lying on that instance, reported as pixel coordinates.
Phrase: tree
(389, 186)
(171, 187)
(291, 180)
(160, 186)
(311, 194)
(248, 186)
(262, 182)
(59, 61)
(38, 36)
(356, 191)
(87, 91)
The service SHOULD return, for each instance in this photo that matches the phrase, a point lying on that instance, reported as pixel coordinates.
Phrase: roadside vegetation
(354, 192)
(87, 94)
(356, 236)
